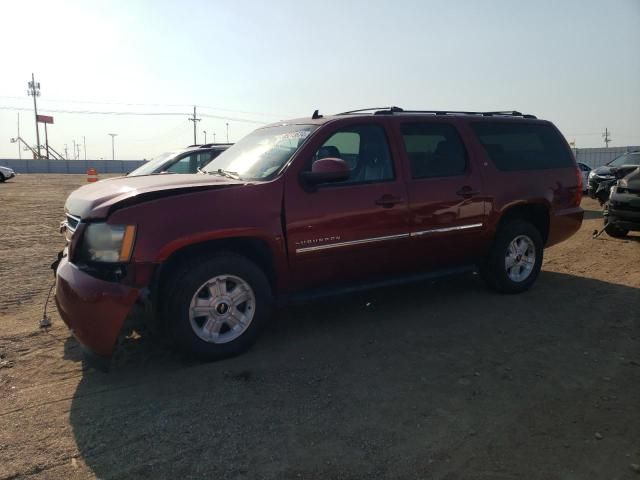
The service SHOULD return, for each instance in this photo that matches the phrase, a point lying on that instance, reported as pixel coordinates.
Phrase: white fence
(595, 157)
(71, 166)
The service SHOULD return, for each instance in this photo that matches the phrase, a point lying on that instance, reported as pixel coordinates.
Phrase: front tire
(610, 227)
(217, 306)
(515, 258)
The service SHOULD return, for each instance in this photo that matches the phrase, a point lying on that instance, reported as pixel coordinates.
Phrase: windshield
(262, 153)
(152, 165)
(626, 159)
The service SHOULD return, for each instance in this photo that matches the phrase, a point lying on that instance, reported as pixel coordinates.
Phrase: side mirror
(326, 170)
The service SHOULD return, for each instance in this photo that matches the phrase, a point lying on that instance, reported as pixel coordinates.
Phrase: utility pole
(214, 137)
(84, 142)
(78, 152)
(34, 91)
(607, 137)
(113, 149)
(46, 140)
(66, 152)
(194, 120)
(19, 151)
(227, 132)
(74, 150)
(205, 136)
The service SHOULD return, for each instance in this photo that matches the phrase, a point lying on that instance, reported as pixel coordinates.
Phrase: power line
(178, 105)
(159, 114)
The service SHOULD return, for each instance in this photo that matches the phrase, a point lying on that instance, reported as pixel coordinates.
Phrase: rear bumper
(563, 224)
(94, 310)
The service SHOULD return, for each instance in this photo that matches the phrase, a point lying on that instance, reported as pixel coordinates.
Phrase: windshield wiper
(226, 173)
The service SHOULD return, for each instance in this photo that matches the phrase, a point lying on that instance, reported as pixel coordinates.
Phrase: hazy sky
(576, 63)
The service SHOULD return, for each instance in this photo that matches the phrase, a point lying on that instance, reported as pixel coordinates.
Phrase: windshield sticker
(292, 135)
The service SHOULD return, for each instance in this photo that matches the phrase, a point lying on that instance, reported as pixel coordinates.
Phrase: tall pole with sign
(46, 139)
(46, 119)
(34, 91)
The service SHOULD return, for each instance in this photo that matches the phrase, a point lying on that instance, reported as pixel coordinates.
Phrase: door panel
(446, 202)
(350, 230)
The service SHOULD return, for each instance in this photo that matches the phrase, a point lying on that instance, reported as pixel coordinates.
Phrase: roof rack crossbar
(374, 109)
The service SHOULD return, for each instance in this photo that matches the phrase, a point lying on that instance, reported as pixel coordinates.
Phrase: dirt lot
(440, 380)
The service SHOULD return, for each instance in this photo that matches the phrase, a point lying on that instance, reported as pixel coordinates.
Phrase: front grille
(625, 206)
(628, 191)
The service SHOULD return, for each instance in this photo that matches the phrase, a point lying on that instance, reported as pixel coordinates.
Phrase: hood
(611, 171)
(95, 200)
(603, 170)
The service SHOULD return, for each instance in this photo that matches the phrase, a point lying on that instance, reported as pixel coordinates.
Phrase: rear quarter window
(526, 146)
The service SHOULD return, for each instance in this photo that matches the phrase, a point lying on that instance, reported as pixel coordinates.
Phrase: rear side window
(434, 150)
(525, 146)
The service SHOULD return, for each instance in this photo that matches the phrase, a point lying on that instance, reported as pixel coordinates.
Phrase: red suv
(311, 207)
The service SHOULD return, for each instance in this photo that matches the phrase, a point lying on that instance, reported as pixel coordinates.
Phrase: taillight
(577, 194)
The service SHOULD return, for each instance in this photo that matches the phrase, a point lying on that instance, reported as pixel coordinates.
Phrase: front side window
(261, 154)
(184, 165)
(434, 150)
(365, 149)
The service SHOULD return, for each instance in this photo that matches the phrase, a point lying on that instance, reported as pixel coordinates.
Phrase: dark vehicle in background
(607, 173)
(189, 160)
(622, 211)
(311, 207)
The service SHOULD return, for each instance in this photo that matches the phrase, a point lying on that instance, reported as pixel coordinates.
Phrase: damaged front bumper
(95, 310)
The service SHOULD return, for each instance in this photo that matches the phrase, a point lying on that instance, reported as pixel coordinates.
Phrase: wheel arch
(534, 213)
(255, 249)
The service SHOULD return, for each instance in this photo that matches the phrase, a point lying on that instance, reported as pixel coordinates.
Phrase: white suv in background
(6, 173)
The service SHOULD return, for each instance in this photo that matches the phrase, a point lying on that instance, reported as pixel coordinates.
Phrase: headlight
(102, 242)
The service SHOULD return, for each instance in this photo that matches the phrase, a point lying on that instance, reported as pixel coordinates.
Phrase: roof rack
(392, 110)
(209, 145)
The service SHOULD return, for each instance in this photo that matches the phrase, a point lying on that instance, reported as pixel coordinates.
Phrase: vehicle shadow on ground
(439, 379)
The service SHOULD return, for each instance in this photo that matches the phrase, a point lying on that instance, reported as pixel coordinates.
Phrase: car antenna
(316, 115)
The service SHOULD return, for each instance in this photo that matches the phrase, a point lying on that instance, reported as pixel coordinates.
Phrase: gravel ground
(439, 380)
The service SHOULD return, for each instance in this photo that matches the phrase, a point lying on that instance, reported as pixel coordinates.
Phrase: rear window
(525, 146)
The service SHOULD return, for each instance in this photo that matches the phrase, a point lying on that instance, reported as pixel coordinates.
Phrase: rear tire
(614, 231)
(216, 307)
(514, 262)
(2, 179)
